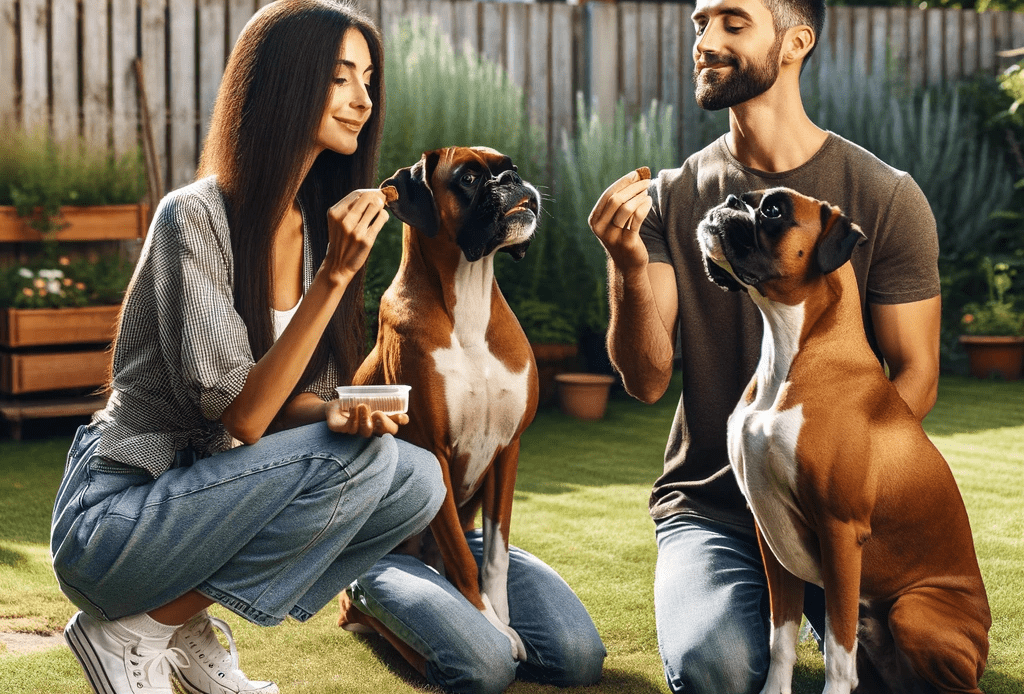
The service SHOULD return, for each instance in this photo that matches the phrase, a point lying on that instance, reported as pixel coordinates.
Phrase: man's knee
(718, 663)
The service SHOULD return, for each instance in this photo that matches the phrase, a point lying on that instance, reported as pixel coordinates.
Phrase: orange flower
(968, 318)
(64, 260)
(39, 283)
(68, 281)
(80, 286)
(26, 291)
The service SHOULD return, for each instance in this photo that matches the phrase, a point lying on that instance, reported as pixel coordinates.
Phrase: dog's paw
(518, 647)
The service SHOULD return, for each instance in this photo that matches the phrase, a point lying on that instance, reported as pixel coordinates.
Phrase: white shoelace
(155, 661)
(207, 643)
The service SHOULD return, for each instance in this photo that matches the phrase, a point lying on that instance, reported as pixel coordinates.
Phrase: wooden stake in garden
(153, 177)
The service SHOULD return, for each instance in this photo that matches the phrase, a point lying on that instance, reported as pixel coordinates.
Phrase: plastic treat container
(387, 399)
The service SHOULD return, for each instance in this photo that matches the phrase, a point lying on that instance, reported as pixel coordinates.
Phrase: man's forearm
(639, 342)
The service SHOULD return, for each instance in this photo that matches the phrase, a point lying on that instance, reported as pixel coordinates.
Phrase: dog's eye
(469, 179)
(771, 211)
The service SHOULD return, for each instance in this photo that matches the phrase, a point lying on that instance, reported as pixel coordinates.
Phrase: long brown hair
(266, 117)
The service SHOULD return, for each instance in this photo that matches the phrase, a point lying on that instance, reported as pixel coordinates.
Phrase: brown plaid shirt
(182, 353)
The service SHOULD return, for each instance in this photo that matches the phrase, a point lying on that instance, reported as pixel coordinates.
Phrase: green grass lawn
(581, 505)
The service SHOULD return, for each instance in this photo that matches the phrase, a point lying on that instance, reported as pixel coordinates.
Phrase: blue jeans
(274, 529)
(712, 609)
(464, 652)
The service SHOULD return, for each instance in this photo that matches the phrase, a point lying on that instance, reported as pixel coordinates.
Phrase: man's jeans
(712, 609)
(464, 652)
(274, 529)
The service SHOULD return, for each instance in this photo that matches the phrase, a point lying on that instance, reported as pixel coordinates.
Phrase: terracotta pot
(990, 355)
(552, 359)
(583, 396)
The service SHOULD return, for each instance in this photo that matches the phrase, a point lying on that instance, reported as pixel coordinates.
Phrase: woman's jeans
(274, 529)
(464, 652)
(712, 609)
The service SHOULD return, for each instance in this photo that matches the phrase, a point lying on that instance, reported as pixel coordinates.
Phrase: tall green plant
(930, 134)
(587, 163)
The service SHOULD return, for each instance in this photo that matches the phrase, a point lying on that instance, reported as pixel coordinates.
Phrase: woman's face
(348, 104)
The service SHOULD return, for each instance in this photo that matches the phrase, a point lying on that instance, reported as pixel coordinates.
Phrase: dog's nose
(734, 203)
(510, 176)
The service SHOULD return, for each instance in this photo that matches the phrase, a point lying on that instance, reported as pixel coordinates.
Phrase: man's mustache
(717, 60)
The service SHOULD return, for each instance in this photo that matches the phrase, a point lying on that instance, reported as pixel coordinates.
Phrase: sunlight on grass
(581, 505)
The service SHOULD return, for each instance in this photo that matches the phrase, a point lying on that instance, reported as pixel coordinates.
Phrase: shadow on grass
(995, 682)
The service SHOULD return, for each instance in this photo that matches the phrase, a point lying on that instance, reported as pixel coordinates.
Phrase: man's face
(736, 52)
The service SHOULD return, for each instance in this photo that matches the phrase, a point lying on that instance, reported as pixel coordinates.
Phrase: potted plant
(993, 331)
(51, 192)
(57, 320)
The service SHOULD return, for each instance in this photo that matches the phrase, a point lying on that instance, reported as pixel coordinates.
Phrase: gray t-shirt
(720, 331)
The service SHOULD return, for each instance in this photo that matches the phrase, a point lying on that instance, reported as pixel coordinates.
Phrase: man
(711, 601)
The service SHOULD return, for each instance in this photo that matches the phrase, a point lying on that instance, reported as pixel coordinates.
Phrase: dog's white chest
(485, 400)
(762, 440)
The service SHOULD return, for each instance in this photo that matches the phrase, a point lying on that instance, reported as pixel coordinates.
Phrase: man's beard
(716, 91)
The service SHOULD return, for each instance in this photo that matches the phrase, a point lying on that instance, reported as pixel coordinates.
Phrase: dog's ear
(415, 203)
(720, 276)
(839, 238)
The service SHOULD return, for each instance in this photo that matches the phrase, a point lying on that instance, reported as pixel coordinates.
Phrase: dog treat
(644, 172)
(390, 194)
(387, 399)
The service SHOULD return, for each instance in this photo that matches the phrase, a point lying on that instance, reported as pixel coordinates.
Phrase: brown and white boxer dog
(446, 330)
(846, 489)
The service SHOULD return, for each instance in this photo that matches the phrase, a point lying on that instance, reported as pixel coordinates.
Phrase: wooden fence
(68, 64)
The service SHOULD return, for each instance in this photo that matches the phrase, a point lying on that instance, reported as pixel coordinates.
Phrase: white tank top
(283, 318)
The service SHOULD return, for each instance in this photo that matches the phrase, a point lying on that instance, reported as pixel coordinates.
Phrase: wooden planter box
(43, 371)
(92, 223)
(33, 327)
(35, 371)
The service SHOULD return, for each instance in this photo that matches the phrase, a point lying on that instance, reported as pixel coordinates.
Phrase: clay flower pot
(583, 396)
(989, 355)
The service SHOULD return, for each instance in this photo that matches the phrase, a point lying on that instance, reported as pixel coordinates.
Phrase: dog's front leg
(786, 593)
(498, 490)
(841, 556)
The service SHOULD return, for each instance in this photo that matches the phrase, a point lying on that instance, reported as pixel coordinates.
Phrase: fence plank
(842, 43)
(969, 43)
(1017, 25)
(690, 138)
(602, 49)
(538, 99)
(650, 53)
(492, 32)
(672, 73)
(124, 86)
(465, 29)
(154, 56)
(897, 42)
(64, 72)
(563, 70)
(212, 32)
(182, 107)
(986, 42)
(860, 59)
(441, 11)
(34, 107)
(630, 70)
(96, 115)
(239, 13)
(880, 53)
(518, 49)
(935, 22)
(917, 72)
(951, 43)
(8, 58)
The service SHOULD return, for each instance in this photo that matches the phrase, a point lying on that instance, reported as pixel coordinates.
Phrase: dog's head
(473, 195)
(775, 241)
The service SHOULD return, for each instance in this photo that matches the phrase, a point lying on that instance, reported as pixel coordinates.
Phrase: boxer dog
(446, 330)
(845, 487)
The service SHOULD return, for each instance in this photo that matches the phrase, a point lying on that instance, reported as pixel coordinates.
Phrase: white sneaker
(117, 661)
(209, 669)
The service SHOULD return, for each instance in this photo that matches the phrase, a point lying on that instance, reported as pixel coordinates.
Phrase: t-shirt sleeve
(905, 261)
(652, 231)
(202, 336)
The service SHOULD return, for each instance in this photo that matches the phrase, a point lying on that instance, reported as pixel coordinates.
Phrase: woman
(245, 311)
